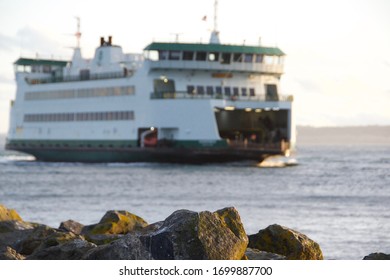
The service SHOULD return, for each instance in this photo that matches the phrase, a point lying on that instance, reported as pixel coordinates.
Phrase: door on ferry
(271, 92)
(147, 137)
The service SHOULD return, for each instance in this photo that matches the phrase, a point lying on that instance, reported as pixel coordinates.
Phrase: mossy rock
(44, 237)
(188, 235)
(73, 249)
(116, 222)
(287, 242)
(222, 234)
(8, 253)
(8, 214)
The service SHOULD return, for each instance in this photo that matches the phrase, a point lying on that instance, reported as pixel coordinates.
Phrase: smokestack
(109, 40)
(101, 41)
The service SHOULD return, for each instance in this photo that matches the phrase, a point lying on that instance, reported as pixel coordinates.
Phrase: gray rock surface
(377, 256)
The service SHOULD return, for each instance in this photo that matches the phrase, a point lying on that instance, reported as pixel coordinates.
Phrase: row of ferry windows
(90, 116)
(80, 93)
(224, 58)
(227, 91)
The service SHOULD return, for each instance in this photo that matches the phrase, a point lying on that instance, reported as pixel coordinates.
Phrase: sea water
(338, 195)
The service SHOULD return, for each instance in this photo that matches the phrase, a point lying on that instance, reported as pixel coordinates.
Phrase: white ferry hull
(195, 103)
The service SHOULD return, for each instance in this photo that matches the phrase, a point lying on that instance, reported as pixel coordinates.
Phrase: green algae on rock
(287, 242)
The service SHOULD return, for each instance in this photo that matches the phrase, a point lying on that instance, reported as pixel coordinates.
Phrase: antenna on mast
(214, 38)
(215, 15)
(78, 33)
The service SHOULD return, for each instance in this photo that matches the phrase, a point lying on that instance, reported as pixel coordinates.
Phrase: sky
(338, 51)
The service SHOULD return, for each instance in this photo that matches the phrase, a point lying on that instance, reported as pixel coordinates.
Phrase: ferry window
(152, 55)
(201, 56)
(117, 91)
(174, 55)
(200, 89)
(213, 56)
(252, 92)
(248, 58)
(243, 91)
(268, 59)
(235, 91)
(163, 55)
(188, 55)
(46, 69)
(35, 69)
(84, 74)
(225, 58)
(210, 90)
(227, 91)
(190, 89)
(237, 57)
(116, 115)
(218, 90)
(259, 58)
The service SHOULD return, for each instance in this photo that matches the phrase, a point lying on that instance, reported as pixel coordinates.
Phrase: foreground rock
(120, 235)
(254, 254)
(187, 235)
(71, 226)
(7, 253)
(129, 247)
(8, 214)
(184, 235)
(377, 256)
(116, 222)
(42, 238)
(71, 250)
(287, 242)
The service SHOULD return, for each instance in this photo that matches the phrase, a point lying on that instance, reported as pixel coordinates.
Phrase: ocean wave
(278, 162)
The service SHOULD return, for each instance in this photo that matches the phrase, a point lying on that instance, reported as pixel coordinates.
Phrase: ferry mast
(214, 38)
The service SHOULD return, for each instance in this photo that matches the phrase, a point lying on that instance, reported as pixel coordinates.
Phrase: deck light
(258, 110)
(248, 109)
(229, 108)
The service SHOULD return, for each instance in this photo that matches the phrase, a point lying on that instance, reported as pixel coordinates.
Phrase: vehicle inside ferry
(256, 126)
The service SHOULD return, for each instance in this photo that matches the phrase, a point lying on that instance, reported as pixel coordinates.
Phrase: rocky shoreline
(184, 235)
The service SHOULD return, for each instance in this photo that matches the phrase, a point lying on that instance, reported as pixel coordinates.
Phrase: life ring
(150, 142)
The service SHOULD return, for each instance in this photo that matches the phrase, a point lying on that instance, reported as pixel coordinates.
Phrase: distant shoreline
(340, 136)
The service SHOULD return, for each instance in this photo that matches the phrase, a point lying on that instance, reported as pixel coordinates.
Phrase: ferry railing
(231, 97)
(79, 78)
(214, 65)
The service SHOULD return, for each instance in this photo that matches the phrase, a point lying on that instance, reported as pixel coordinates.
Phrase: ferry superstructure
(175, 102)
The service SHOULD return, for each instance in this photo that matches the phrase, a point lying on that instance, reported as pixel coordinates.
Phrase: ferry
(173, 102)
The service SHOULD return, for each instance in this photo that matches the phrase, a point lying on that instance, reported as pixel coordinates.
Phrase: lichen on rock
(287, 242)
(115, 222)
(190, 235)
(8, 214)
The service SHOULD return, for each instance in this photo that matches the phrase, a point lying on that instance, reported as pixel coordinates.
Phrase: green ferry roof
(30, 62)
(214, 48)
